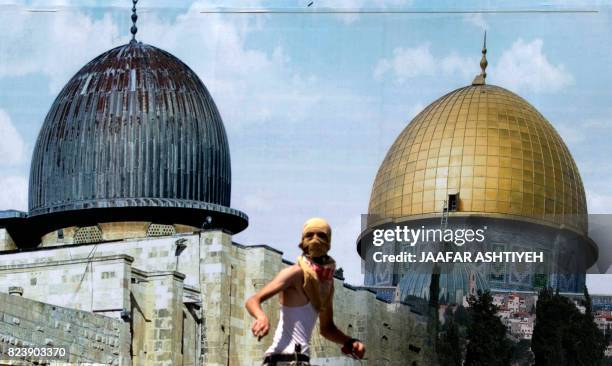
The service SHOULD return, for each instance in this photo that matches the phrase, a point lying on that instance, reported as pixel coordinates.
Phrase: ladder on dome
(433, 316)
(444, 219)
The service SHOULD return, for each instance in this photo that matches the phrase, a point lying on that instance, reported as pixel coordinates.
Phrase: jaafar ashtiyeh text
(460, 257)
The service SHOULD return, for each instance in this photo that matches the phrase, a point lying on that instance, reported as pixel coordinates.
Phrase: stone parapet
(88, 337)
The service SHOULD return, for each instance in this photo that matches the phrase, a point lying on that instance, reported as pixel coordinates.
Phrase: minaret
(134, 29)
(480, 79)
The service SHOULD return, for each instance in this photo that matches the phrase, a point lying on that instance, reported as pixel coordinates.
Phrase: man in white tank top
(306, 292)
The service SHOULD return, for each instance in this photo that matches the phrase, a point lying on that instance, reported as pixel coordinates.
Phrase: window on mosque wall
(88, 234)
(161, 230)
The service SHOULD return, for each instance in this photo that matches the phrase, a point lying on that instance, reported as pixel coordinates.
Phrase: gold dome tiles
(490, 146)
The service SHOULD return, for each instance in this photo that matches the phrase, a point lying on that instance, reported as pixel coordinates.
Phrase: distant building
(603, 319)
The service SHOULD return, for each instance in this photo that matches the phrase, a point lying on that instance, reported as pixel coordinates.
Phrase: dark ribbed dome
(134, 128)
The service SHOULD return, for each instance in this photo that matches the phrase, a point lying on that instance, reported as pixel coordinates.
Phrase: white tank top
(295, 326)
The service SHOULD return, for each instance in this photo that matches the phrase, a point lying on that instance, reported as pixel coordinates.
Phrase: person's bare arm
(330, 331)
(285, 278)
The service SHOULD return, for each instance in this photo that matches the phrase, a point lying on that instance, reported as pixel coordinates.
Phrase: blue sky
(311, 103)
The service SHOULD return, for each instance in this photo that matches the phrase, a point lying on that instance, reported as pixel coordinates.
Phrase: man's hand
(357, 349)
(260, 326)
(290, 276)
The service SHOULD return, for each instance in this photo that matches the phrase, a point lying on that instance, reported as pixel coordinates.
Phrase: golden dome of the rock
(493, 149)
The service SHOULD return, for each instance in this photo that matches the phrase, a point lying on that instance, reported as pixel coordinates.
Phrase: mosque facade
(481, 158)
(126, 257)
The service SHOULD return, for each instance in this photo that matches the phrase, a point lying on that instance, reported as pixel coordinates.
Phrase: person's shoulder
(293, 273)
(294, 269)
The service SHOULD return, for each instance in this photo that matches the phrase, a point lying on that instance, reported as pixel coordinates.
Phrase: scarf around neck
(318, 280)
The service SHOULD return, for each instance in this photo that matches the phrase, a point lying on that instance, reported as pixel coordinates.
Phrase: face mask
(316, 237)
(315, 245)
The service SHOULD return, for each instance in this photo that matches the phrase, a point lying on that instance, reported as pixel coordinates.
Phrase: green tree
(546, 342)
(563, 336)
(521, 353)
(462, 317)
(450, 345)
(448, 314)
(487, 342)
(587, 341)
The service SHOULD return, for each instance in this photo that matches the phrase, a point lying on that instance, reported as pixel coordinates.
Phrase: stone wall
(184, 297)
(94, 283)
(6, 242)
(88, 337)
(163, 336)
(235, 272)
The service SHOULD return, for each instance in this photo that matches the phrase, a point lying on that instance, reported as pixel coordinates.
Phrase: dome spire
(134, 29)
(480, 79)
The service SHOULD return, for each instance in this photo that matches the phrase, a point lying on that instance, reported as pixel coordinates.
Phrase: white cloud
(408, 63)
(248, 85)
(12, 148)
(525, 67)
(54, 44)
(455, 64)
(13, 193)
(476, 19)
(598, 203)
(352, 7)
